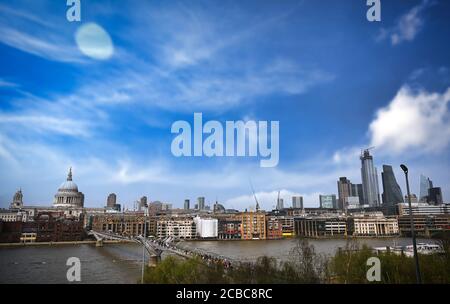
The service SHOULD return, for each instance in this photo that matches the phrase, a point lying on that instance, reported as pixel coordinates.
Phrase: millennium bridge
(155, 247)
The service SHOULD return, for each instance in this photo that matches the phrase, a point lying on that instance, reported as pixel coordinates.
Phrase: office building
(344, 191)
(425, 184)
(372, 226)
(280, 204)
(357, 190)
(424, 225)
(392, 194)
(320, 226)
(186, 204)
(201, 203)
(183, 228)
(423, 209)
(369, 178)
(127, 224)
(328, 201)
(435, 196)
(111, 201)
(287, 226)
(352, 202)
(297, 202)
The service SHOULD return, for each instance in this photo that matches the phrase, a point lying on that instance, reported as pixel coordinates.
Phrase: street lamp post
(416, 257)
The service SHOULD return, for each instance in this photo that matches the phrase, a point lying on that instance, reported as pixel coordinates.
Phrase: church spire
(69, 176)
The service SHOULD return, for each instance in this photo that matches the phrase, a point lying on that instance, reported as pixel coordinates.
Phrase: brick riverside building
(274, 228)
(253, 225)
(229, 228)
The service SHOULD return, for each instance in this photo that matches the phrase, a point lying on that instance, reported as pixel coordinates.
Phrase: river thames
(121, 263)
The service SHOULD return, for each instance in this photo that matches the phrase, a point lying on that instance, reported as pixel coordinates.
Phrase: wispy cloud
(202, 40)
(32, 34)
(7, 84)
(44, 124)
(407, 26)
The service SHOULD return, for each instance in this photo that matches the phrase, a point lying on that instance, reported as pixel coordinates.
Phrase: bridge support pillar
(99, 243)
(154, 260)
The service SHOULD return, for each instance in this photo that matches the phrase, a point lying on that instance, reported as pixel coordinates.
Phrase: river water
(121, 263)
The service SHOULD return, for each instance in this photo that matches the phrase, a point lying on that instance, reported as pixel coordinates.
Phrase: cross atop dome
(69, 176)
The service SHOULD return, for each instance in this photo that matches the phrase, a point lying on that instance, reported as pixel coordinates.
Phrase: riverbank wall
(89, 242)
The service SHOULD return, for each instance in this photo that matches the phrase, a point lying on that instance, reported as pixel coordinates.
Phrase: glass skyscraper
(369, 180)
(358, 191)
(392, 194)
(435, 196)
(425, 184)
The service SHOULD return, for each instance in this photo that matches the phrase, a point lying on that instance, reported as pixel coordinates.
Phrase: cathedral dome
(68, 186)
(68, 194)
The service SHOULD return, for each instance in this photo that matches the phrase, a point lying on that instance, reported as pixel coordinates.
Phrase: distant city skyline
(391, 192)
(335, 87)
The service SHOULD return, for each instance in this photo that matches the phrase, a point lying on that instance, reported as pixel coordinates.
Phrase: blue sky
(335, 82)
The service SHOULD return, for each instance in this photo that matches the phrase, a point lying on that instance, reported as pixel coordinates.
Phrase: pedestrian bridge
(155, 247)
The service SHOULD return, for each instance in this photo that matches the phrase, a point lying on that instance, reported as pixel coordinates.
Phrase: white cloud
(413, 121)
(347, 155)
(407, 27)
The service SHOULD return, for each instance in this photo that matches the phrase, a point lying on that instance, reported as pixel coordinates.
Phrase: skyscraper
(425, 184)
(328, 201)
(111, 200)
(435, 196)
(297, 202)
(201, 203)
(344, 191)
(392, 194)
(186, 204)
(358, 191)
(369, 178)
(280, 204)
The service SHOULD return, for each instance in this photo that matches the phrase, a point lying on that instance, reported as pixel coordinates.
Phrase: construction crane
(366, 150)
(254, 194)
